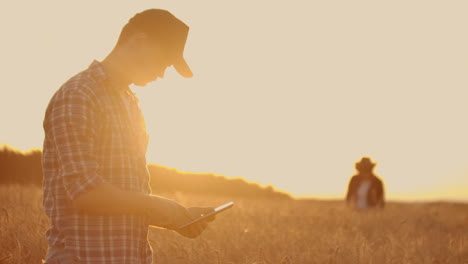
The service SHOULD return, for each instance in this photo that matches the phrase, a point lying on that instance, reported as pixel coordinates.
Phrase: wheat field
(264, 232)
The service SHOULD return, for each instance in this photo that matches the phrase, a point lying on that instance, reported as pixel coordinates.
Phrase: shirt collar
(99, 75)
(97, 72)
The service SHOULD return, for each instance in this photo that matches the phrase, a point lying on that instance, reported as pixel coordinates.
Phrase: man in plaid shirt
(96, 182)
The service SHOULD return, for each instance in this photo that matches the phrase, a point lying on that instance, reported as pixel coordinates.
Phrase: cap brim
(182, 67)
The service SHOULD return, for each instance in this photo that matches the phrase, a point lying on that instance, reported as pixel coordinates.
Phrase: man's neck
(366, 174)
(112, 65)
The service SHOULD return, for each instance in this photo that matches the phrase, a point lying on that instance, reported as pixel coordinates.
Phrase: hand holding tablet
(217, 210)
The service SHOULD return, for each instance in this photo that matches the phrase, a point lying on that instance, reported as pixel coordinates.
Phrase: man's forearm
(108, 199)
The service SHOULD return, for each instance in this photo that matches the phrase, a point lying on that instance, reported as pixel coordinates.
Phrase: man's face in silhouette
(149, 61)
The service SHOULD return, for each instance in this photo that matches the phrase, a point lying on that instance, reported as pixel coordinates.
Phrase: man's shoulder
(79, 89)
(355, 177)
(85, 83)
(377, 180)
(81, 83)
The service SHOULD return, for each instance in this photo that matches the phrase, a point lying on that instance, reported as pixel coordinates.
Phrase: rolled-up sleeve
(73, 126)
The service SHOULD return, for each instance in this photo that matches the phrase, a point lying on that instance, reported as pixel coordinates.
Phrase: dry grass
(22, 225)
(261, 232)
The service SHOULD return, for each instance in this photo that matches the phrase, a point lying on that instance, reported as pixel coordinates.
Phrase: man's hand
(166, 213)
(170, 214)
(194, 230)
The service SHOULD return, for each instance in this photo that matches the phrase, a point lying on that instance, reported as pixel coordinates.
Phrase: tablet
(217, 210)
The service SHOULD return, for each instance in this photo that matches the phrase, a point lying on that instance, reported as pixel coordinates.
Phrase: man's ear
(137, 40)
(141, 40)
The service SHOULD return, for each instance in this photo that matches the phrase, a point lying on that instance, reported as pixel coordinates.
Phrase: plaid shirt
(95, 133)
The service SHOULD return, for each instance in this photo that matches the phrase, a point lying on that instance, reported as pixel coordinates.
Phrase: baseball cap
(169, 31)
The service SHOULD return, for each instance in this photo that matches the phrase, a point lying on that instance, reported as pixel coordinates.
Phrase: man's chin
(143, 83)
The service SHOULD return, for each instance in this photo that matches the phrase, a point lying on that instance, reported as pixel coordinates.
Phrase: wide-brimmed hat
(365, 164)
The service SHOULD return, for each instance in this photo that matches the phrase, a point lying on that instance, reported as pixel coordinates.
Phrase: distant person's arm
(380, 194)
(351, 191)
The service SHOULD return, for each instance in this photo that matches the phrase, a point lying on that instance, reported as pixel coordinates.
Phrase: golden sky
(290, 93)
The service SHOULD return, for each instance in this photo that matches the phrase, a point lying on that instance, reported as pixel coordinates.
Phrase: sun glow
(290, 97)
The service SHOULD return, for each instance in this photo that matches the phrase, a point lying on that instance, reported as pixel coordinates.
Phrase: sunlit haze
(289, 93)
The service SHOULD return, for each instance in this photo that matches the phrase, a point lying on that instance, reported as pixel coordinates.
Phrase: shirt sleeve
(73, 129)
(380, 193)
(351, 189)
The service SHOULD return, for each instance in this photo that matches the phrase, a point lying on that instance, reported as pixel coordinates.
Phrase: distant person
(365, 190)
(96, 181)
